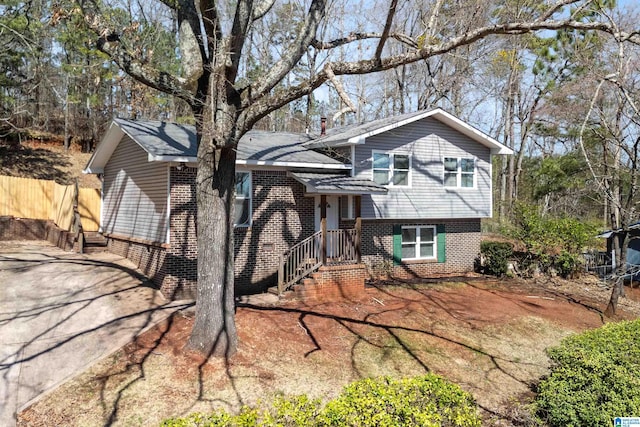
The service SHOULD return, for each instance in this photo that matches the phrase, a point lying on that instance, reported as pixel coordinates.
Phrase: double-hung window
(243, 199)
(459, 172)
(419, 242)
(391, 169)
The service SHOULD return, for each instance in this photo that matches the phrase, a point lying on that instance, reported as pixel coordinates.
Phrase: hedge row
(595, 378)
(428, 401)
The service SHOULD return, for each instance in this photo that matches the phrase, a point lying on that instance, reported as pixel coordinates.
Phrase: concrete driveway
(60, 312)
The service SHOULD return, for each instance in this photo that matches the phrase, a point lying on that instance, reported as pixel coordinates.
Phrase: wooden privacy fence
(41, 199)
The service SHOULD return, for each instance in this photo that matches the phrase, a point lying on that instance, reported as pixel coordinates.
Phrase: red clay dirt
(486, 335)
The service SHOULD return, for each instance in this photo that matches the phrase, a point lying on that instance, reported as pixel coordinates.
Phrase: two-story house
(402, 196)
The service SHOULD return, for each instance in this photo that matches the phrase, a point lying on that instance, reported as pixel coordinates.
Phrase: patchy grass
(488, 336)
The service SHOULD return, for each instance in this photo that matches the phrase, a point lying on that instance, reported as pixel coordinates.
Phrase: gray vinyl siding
(428, 141)
(135, 194)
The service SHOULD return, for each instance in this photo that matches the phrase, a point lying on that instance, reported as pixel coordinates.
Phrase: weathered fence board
(89, 208)
(41, 199)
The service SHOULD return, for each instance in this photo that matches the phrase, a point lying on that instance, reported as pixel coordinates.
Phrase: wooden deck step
(94, 242)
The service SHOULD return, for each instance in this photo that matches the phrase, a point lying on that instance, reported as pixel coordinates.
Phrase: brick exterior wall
(462, 247)
(282, 217)
(335, 282)
(181, 259)
(148, 258)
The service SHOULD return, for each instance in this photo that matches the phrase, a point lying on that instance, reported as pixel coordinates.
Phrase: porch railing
(300, 260)
(307, 256)
(341, 246)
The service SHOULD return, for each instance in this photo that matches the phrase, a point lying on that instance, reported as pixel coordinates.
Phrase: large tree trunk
(214, 330)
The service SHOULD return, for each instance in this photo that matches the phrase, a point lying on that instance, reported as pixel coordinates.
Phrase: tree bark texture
(620, 249)
(214, 329)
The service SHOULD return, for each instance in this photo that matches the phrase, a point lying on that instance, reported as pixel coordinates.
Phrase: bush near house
(595, 378)
(495, 257)
(384, 402)
(551, 245)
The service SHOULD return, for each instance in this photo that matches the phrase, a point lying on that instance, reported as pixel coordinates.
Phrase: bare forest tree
(55, 82)
(610, 142)
(228, 98)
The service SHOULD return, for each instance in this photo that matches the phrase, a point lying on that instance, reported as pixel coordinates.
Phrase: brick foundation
(463, 238)
(148, 258)
(334, 282)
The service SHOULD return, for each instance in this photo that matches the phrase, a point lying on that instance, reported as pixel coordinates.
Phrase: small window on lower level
(419, 242)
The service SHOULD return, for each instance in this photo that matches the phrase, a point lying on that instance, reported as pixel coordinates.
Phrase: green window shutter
(442, 243)
(397, 244)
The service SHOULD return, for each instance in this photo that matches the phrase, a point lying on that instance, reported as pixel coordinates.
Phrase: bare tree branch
(145, 74)
(387, 28)
(295, 51)
(403, 38)
(239, 30)
(583, 128)
(211, 23)
(261, 103)
(339, 88)
(556, 7)
(433, 19)
(262, 8)
(513, 28)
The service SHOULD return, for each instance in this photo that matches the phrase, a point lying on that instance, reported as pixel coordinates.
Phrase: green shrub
(197, 419)
(567, 263)
(422, 401)
(297, 411)
(595, 377)
(496, 257)
(384, 402)
(551, 243)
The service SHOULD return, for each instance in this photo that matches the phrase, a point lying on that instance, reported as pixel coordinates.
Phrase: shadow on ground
(61, 312)
(485, 336)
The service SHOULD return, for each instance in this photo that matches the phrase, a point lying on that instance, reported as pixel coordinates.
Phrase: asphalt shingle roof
(343, 184)
(160, 138)
(171, 139)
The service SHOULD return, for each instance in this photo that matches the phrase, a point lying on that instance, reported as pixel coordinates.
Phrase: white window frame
(459, 173)
(391, 167)
(242, 197)
(418, 241)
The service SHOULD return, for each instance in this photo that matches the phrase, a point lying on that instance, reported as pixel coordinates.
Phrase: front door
(333, 220)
